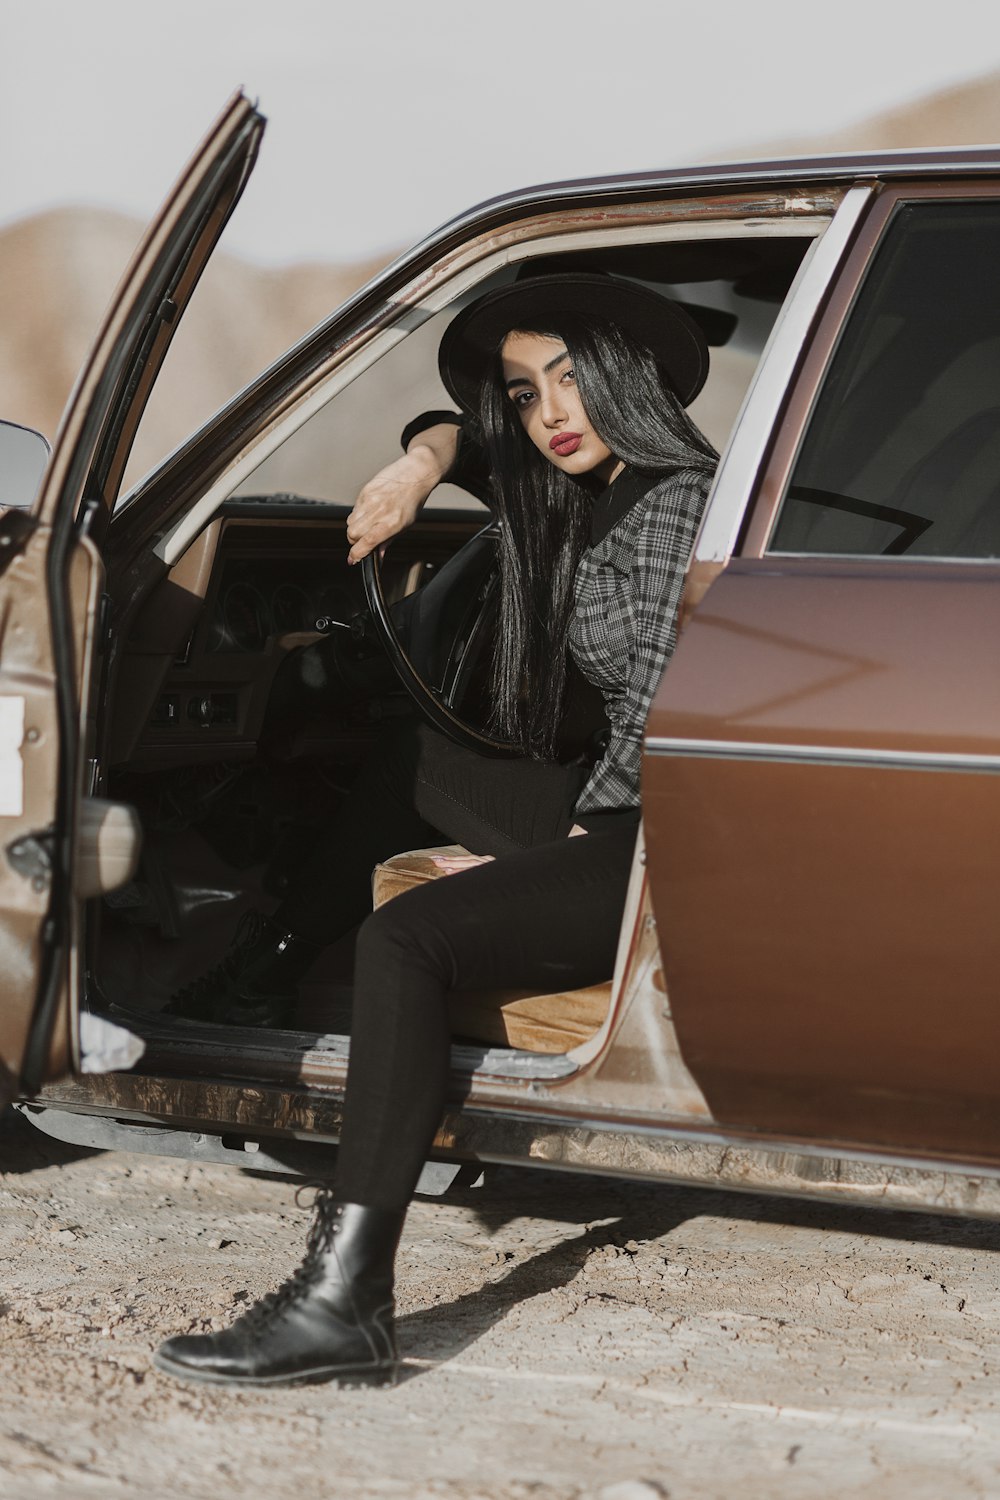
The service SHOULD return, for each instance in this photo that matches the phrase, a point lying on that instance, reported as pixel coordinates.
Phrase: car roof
(773, 172)
(888, 165)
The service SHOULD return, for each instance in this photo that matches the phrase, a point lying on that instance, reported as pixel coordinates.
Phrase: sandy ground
(564, 1338)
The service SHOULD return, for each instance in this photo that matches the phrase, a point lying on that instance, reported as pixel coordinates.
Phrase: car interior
(252, 685)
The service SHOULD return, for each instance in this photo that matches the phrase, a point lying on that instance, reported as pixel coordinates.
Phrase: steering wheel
(446, 626)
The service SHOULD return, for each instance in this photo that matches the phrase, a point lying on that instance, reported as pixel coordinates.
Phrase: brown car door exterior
(821, 785)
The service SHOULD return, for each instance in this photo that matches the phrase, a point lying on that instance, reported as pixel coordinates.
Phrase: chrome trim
(744, 454)
(892, 559)
(827, 755)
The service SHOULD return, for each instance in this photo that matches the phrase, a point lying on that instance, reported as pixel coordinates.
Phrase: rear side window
(902, 452)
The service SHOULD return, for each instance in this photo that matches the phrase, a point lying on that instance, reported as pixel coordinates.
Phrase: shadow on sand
(641, 1212)
(25, 1149)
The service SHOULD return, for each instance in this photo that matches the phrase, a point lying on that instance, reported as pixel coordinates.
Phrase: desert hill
(58, 269)
(966, 115)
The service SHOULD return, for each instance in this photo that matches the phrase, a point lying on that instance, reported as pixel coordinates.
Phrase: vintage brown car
(806, 993)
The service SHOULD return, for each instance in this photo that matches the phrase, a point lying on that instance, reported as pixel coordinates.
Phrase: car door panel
(822, 792)
(50, 587)
(822, 777)
(30, 722)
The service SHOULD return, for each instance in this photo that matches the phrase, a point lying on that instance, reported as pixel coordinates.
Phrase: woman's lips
(565, 443)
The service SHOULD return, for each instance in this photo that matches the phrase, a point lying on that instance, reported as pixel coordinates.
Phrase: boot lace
(322, 1230)
(229, 967)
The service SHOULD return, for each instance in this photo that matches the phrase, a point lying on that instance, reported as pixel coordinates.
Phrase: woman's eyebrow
(523, 379)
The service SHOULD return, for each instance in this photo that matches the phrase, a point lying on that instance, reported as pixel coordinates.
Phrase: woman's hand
(392, 499)
(454, 864)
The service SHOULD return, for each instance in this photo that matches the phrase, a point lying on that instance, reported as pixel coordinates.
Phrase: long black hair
(545, 514)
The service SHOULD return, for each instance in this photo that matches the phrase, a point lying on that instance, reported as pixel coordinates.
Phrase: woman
(579, 385)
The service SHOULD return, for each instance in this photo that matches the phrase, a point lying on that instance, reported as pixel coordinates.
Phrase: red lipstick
(565, 443)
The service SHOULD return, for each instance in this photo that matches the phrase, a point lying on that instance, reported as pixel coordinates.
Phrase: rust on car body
(247, 1114)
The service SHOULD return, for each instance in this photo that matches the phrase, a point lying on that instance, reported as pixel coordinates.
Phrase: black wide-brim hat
(471, 341)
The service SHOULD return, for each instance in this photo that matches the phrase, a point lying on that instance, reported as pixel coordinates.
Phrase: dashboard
(278, 583)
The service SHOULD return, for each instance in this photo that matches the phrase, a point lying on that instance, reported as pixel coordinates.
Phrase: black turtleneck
(618, 499)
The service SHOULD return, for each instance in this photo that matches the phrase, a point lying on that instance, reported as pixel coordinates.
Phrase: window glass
(342, 445)
(735, 287)
(902, 453)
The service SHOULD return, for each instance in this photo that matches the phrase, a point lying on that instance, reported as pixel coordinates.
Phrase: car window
(902, 452)
(343, 444)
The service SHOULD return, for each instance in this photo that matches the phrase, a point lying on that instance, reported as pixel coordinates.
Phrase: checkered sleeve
(650, 599)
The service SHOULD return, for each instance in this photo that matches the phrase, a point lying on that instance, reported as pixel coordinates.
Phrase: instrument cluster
(260, 598)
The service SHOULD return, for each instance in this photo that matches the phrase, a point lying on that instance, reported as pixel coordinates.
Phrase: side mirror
(23, 456)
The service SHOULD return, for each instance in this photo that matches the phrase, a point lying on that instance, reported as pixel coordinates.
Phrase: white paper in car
(105, 1047)
(11, 764)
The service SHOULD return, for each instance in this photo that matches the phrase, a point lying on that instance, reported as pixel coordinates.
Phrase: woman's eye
(569, 375)
(523, 398)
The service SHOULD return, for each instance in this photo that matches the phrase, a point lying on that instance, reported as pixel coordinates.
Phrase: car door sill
(192, 1049)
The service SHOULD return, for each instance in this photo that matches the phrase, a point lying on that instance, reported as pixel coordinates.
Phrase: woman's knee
(402, 934)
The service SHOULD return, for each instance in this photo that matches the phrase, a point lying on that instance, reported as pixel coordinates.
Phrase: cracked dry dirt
(564, 1338)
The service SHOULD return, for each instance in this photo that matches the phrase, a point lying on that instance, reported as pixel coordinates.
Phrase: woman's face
(538, 375)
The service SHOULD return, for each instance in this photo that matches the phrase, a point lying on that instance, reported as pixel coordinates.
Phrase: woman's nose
(553, 409)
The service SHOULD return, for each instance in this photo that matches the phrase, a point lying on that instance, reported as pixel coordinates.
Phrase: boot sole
(346, 1377)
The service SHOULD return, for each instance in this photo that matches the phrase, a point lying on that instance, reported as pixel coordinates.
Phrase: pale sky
(386, 117)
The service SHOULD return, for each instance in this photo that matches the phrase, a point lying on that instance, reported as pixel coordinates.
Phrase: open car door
(54, 837)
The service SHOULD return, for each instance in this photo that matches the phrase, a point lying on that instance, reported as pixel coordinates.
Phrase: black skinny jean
(544, 915)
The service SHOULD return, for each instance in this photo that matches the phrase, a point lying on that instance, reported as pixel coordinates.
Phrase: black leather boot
(331, 1320)
(255, 984)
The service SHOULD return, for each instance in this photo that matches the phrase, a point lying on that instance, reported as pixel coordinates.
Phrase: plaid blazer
(623, 629)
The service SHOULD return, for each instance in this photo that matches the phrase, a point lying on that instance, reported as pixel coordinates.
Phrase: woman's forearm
(436, 448)
(392, 498)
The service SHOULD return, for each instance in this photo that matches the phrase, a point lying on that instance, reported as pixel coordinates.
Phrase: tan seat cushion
(504, 1018)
